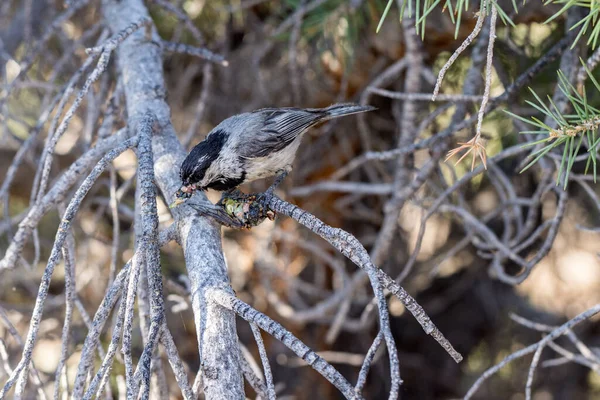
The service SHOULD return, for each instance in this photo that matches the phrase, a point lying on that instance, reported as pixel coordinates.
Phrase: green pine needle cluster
(422, 8)
(571, 131)
(589, 22)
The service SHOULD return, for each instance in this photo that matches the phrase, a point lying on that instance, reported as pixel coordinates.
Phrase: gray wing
(280, 128)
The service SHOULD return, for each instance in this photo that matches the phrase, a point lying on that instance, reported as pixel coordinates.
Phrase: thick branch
(140, 63)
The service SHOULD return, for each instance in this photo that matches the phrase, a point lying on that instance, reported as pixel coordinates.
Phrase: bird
(251, 146)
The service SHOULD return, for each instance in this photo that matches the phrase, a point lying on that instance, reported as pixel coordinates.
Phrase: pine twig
(350, 247)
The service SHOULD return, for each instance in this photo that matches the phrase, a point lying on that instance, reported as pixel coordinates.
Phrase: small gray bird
(252, 146)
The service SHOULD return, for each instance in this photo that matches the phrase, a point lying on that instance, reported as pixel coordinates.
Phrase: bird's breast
(272, 164)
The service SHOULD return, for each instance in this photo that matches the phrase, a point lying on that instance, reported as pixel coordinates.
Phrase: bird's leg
(265, 198)
(280, 177)
(237, 195)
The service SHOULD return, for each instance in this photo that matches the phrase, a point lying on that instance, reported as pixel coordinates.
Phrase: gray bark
(140, 63)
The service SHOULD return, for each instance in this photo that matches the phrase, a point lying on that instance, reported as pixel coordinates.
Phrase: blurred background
(329, 52)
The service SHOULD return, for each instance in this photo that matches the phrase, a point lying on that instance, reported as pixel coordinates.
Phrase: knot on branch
(238, 210)
(588, 125)
(210, 372)
(249, 210)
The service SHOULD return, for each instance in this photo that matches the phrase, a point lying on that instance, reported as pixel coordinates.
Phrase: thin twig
(200, 52)
(251, 315)
(55, 256)
(349, 246)
(461, 48)
(265, 361)
(424, 96)
(561, 330)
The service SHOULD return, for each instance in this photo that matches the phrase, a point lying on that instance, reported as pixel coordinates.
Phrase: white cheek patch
(198, 164)
(210, 173)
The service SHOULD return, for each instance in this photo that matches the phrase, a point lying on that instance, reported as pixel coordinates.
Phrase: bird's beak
(178, 201)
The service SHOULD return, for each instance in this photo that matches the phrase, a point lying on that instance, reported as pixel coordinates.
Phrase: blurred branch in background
(99, 101)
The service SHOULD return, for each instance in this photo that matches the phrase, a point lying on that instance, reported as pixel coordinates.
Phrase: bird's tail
(338, 110)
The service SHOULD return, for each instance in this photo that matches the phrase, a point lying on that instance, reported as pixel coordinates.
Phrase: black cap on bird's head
(195, 165)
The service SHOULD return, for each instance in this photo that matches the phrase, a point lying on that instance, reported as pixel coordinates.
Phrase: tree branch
(140, 60)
